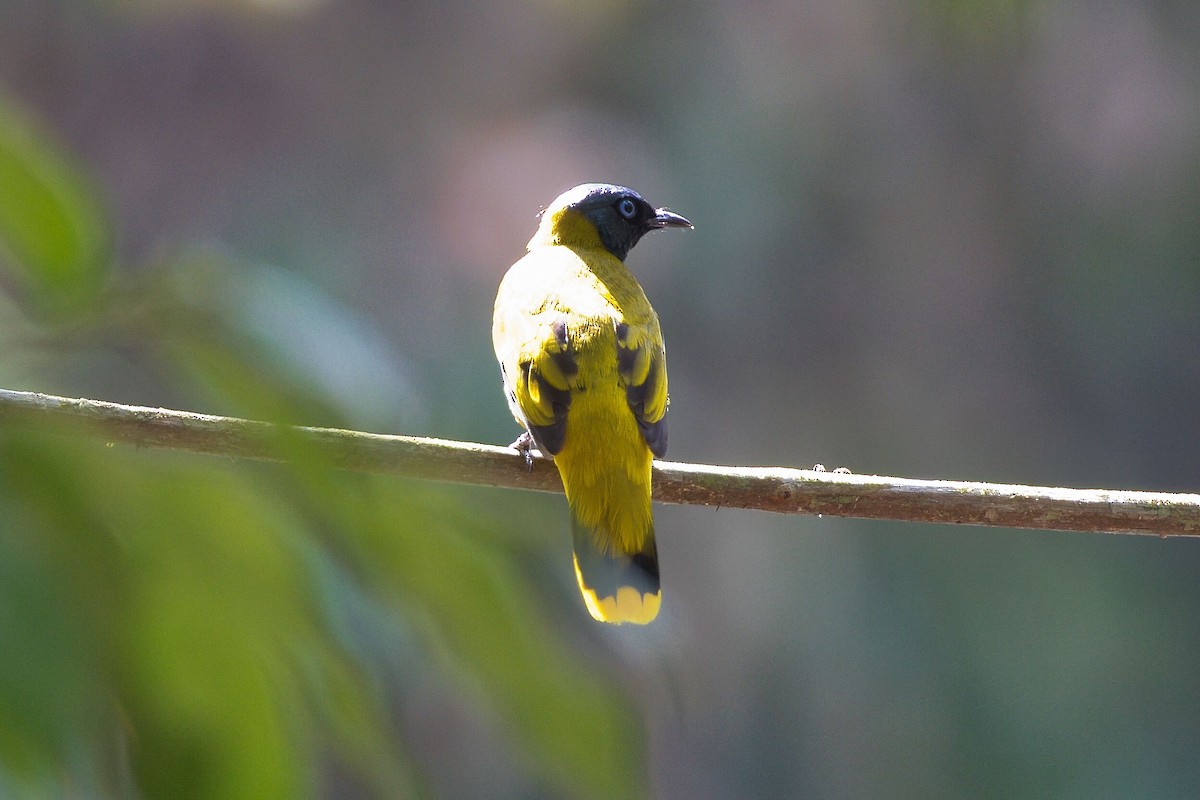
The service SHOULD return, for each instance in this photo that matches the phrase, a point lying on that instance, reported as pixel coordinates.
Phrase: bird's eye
(627, 208)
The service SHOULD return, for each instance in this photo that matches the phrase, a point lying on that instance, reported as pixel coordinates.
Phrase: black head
(621, 215)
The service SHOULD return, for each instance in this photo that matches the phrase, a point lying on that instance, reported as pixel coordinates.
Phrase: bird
(584, 367)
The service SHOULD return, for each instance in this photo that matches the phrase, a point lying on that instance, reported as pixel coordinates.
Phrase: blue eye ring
(627, 208)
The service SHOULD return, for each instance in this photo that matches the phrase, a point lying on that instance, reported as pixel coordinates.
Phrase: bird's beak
(668, 219)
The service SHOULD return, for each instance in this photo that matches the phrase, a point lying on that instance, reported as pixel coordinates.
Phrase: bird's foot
(527, 447)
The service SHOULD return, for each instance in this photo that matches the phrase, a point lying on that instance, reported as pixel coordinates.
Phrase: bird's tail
(617, 586)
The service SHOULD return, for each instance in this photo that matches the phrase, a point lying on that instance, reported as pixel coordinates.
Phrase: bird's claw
(527, 447)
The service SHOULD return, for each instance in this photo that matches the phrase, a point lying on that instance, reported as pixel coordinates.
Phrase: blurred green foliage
(53, 235)
(181, 627)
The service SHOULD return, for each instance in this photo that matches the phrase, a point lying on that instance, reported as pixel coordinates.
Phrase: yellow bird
(583, 363)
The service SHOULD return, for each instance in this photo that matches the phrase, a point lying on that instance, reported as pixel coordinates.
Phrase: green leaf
(157, 630)
(53, 233)
(577, 728)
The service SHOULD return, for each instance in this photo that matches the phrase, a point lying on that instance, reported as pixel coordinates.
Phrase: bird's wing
(542, 370)
(641, 363)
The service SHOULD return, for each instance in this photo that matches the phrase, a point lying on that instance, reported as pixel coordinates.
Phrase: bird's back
(603, 457)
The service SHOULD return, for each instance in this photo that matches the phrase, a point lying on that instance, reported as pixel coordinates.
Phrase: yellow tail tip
(627, 605)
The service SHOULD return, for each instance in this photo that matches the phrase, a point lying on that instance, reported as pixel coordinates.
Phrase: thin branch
(779, 489)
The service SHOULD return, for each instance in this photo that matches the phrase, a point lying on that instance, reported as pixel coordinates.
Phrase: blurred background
(936, 238)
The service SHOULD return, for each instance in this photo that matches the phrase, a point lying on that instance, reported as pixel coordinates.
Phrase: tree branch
(779, 489)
